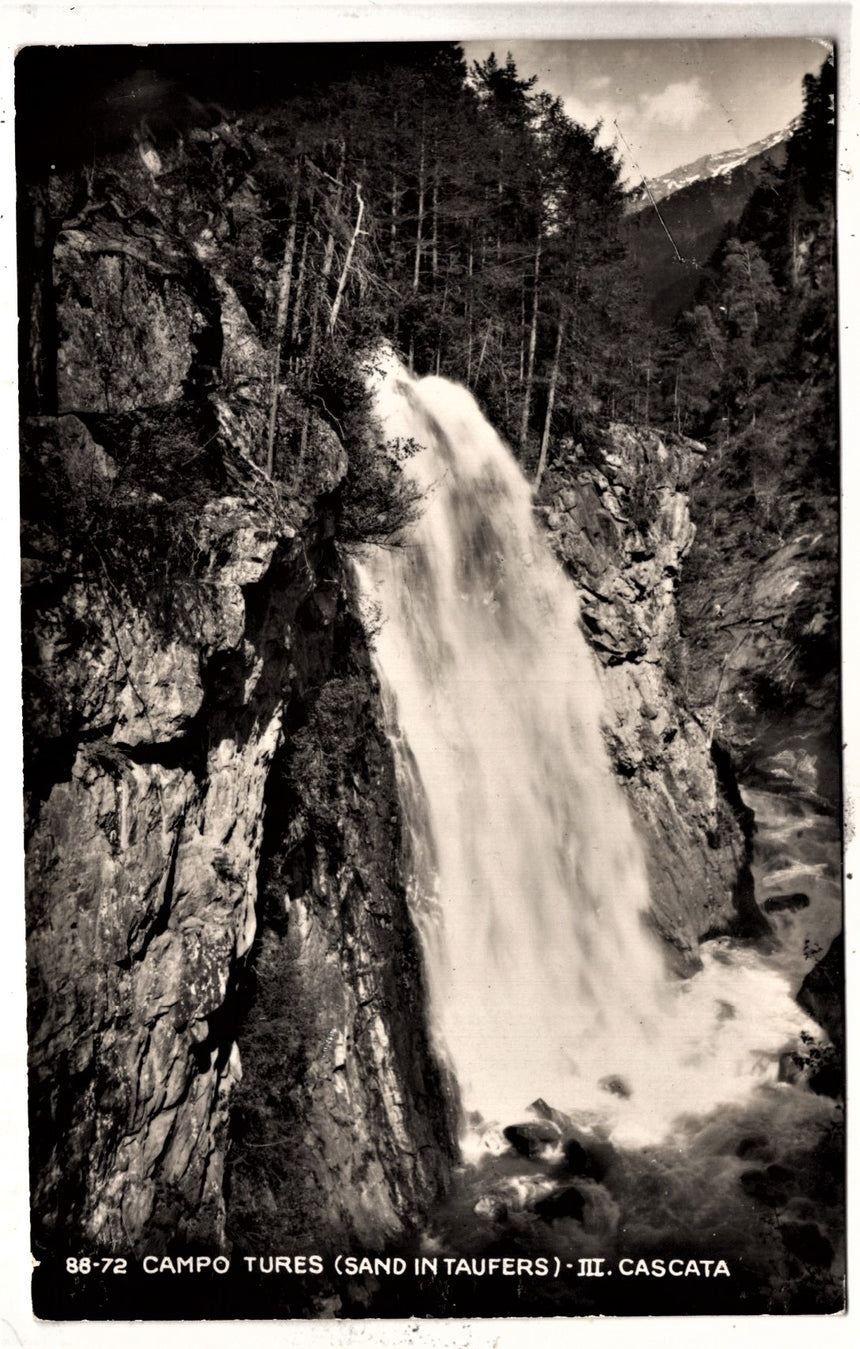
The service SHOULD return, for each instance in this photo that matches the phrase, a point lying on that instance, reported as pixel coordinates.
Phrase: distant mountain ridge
(698, 204)
(706, 166)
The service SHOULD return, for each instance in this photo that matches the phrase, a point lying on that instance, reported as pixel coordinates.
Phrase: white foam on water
(531, 884)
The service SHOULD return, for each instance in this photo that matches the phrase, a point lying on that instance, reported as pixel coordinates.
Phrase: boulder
(822, 992)
(786, 903)
(568, 1202)
(590, 1158)
(533, 1139)
(756, 1146)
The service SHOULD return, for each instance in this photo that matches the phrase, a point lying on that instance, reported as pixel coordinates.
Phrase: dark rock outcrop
(339, 1082)
(153, 745)
(590, 1158)
(759, 602)
(567, 1202)
(532, 1139)
(786, 903)
(822, 992)
(808, 1243)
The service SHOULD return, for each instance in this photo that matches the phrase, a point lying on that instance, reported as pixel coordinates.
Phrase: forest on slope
(459, 213)
(752, 371)
(462, 214)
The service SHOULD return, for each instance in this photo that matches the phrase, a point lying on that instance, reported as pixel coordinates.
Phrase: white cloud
(680, 105)
(589, 111)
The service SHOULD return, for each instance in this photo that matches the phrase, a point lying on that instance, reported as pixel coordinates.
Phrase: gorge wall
(155, 731)
(186, 626)
(215, 851)
(620, 523)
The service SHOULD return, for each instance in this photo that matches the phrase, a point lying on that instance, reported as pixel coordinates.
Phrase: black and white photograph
(432, 677)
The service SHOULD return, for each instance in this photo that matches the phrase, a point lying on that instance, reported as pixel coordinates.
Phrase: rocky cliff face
(153, 737)
(763, 650)
(184, 621)
(335, 1026)
(152, 734)
(620, 522)
(759, 612)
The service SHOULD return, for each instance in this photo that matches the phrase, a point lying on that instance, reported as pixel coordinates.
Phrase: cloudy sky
(674, 100)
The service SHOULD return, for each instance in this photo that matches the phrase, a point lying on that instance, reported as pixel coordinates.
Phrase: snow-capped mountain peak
(707, 166)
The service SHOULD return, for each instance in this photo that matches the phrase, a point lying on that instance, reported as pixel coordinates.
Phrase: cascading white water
(544, 978)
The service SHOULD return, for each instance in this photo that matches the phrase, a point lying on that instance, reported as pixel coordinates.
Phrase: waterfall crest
(531, 887)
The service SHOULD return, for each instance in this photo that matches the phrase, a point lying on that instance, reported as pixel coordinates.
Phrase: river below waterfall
(611, 1111)
(797, 862)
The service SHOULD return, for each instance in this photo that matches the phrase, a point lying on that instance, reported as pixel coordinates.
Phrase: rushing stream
(531, 886)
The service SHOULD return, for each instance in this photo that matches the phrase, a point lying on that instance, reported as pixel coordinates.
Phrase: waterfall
(531, 889)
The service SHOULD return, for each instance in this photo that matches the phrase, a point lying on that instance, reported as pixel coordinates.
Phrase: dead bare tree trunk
(395, 206)
(483, 352)
(442, 317)
(748, 262)
(499, 194)
(300, 281)
(470, 300)
(419, 228)
(341, 285)
(794, 234)
(325, 273)
(522, 370)
(285, 276)
(550, 402)
(504, 374)
(434, 228)
(334, 215)
(530, 369)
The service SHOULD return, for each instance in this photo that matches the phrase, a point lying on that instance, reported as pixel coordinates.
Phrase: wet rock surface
(797, 874)
(342, 1127)
(761, 643)
(786, 903)
(760, 621)
(808, 1243)
(746, 1186)
(566, 1202)
(533, 1140)
(620, 522)
(822, 991)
